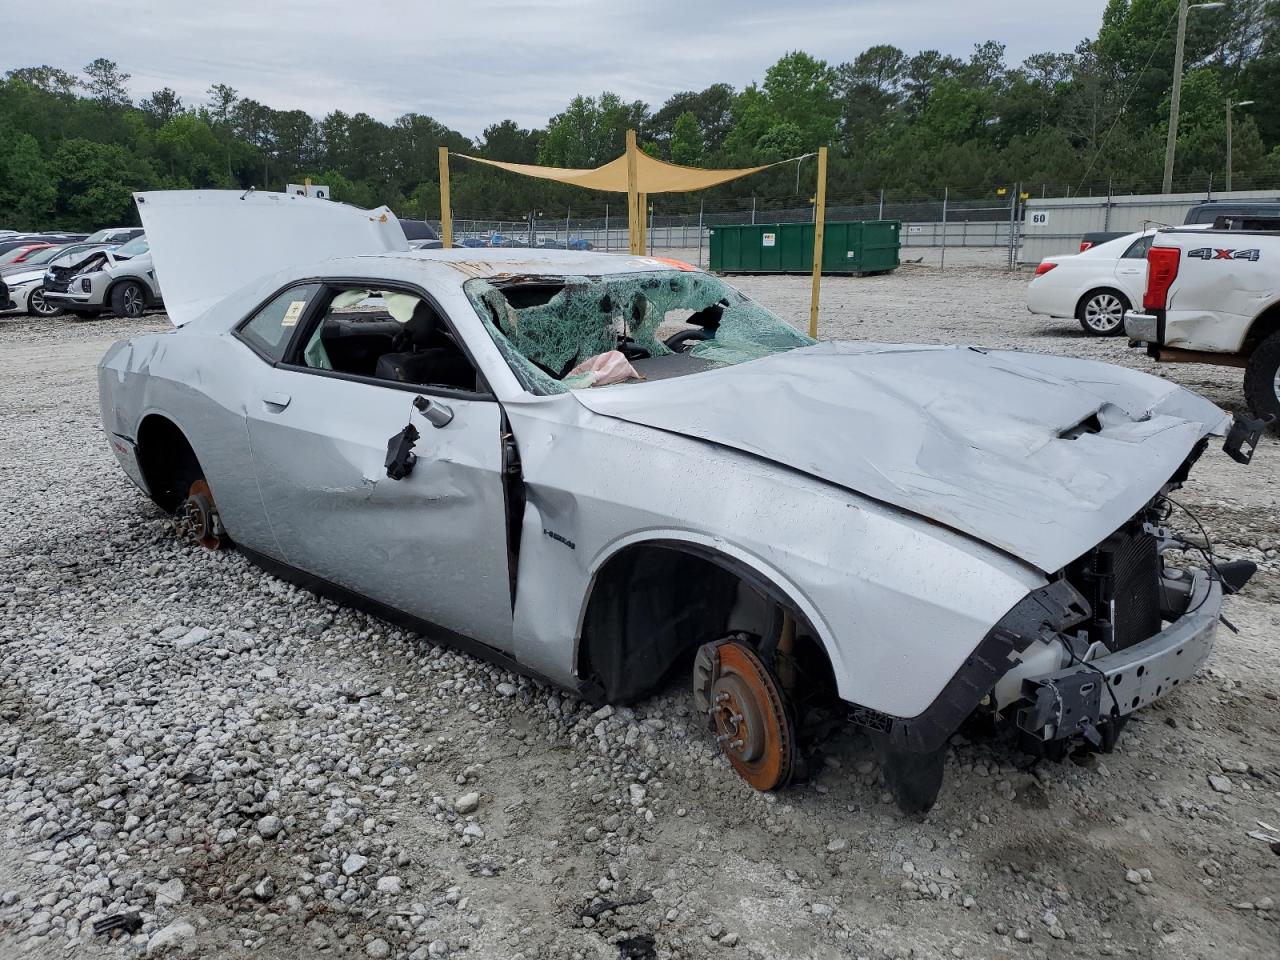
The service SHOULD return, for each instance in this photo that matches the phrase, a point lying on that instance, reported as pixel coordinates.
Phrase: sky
(475, 62)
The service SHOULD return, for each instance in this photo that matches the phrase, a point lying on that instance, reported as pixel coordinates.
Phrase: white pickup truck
(1214, 297)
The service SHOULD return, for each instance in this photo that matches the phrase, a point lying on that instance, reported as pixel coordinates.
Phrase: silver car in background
(120, 279)
(26, 280)
(602, 470)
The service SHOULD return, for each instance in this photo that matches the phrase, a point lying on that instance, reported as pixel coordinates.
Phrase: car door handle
(275, 402)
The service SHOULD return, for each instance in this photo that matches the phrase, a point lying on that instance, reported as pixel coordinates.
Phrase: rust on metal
(750, 719)
(201, 515)
(1178, 355)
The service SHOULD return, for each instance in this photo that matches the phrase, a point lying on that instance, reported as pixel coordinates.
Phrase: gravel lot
(248, 768)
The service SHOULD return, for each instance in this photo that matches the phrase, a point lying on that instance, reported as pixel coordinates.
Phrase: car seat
(420, 357)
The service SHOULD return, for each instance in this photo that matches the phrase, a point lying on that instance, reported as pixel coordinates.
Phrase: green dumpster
(850, 246)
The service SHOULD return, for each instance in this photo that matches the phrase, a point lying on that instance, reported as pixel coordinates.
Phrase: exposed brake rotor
(201, 516)
(746, 710)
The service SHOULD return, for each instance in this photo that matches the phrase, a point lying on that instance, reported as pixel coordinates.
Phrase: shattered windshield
(563, 333)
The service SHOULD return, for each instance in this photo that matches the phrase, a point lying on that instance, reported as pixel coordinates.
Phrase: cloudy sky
(474, 62)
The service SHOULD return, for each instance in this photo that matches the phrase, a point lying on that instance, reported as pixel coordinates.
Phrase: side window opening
(386, 335)
(268, 331)
(1138, 249)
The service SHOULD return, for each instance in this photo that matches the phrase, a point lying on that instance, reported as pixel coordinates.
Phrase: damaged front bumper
(1077, 701)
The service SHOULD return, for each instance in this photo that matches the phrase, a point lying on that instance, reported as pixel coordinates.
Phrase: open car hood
(206, 244)
(1040, 456)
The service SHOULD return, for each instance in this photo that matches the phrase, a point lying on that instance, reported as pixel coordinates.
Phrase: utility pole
(1172, 141)
(1238, 103)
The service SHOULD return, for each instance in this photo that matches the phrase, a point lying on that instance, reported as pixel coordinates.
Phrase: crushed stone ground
(254, 771)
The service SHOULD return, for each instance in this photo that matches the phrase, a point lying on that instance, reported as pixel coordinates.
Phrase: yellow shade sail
(637, 174)
(653, 176)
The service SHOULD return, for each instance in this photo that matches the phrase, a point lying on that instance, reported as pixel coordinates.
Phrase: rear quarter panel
(198, 382)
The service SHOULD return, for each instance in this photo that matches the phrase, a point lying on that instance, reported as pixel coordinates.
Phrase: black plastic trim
(1043, 613)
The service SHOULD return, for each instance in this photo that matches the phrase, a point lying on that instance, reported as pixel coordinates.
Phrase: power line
(1129, 96)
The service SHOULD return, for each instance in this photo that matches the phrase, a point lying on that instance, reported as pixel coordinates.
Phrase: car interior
(573, 332)
(386, 335)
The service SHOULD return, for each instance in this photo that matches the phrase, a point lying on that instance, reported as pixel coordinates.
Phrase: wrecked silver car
(599, 470)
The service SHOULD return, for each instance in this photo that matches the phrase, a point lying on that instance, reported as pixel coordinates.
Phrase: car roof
(460, 264)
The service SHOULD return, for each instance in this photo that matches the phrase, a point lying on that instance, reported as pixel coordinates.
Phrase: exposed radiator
(1121, 580)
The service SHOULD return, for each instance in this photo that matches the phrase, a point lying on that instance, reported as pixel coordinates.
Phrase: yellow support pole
(635, 213)
(642, 201)
(819, 228)
(446, 212)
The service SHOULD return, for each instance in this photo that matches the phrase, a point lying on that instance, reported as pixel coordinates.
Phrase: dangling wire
(1205, 551)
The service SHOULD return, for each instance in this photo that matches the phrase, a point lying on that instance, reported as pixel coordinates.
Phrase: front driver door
(433, 544)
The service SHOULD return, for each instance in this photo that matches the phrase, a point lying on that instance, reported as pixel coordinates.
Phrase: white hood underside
(973, 439)
(207, 244)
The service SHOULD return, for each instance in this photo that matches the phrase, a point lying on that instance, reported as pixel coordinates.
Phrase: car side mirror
(435, 412)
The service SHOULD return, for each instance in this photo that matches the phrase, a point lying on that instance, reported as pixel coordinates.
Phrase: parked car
(1101, 236)
(26, 280)
(120, 279)
(905, 536)
(1215, 299)
(18, 241)
(60, 254)
(36, 259)
(1212, 210)
(1095, 286)
(23, 253)
(114, 235)
(26, 293)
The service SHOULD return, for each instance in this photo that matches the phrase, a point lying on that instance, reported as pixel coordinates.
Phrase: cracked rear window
(557, 332)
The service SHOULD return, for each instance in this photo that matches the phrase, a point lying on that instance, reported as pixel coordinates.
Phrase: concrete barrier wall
(1055, 225)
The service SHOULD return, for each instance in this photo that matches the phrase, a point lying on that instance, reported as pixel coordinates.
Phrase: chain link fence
(928, 221)
(998, 219)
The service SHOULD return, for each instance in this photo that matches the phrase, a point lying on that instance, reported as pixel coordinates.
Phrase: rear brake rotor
(201, 515)
(748, 715)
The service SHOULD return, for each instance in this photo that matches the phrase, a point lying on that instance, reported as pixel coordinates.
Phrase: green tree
(222, 99)
(27, 187)
(779, 142)
(189, 151)
(712, 108)
(107, 83)
(509, 142)
(95, 182)
(800, 90)
(590, 131)
(47, 79)
(162, 106)
(687, 145)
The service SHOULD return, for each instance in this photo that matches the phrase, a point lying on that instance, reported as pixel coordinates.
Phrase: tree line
(74, 147)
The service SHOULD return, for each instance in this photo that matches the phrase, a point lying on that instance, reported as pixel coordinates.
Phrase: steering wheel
(628, 348)
(686, 340)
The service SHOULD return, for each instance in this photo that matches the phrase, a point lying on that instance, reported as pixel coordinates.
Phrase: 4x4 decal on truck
(1209, 253)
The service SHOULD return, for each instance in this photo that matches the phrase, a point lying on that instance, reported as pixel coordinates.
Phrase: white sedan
(1096, 286)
